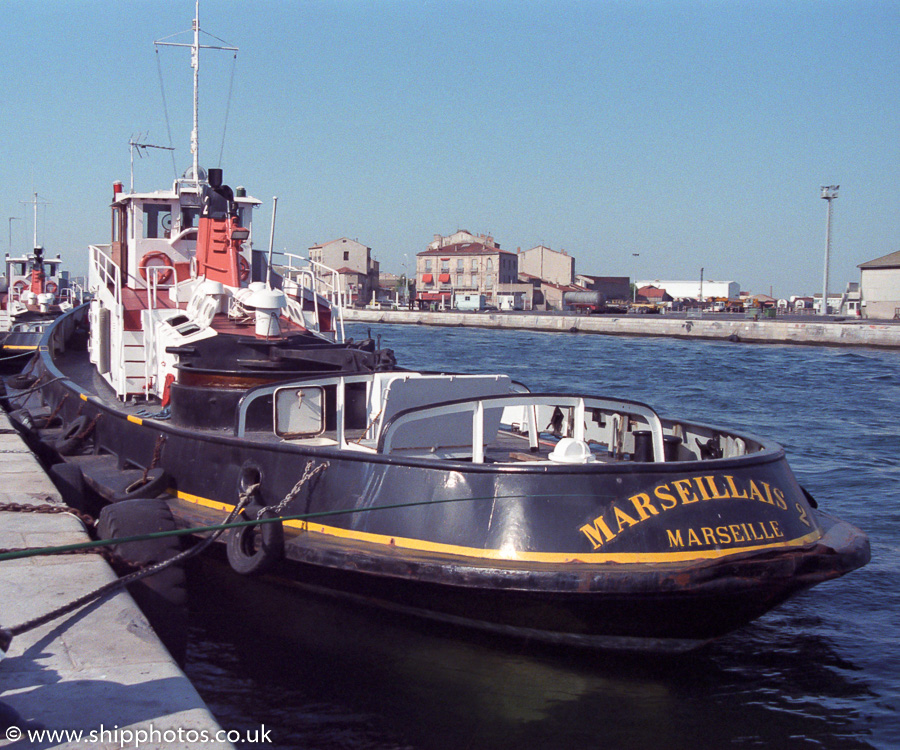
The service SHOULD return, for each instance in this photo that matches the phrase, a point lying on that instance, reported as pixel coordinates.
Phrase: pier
(100, 670)
(712, 327)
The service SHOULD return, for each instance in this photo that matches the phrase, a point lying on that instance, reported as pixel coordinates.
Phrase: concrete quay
(766, 331)
(100, 669)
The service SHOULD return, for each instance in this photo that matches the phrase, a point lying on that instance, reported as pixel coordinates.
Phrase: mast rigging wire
(162, 89)
(227, 106)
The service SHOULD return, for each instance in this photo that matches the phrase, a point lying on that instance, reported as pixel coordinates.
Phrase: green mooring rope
(62, 549)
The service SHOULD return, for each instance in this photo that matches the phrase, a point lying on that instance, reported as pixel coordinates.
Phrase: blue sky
(696, 134)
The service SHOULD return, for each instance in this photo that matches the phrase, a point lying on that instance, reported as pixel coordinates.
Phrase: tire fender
(157, 483)
(69, 442)
(21, 381)
(255, 549)
(23, 418)
(163, 596)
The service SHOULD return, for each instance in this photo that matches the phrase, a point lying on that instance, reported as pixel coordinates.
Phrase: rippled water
(821, 671)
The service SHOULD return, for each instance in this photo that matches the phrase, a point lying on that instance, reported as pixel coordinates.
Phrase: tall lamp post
(635, 255)
(11, 220)
(829, 193)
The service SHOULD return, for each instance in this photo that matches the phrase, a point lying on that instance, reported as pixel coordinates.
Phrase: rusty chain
(88, 520)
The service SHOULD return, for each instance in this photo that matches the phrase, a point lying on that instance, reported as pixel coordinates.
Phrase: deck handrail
(314, 276)
(478, 407)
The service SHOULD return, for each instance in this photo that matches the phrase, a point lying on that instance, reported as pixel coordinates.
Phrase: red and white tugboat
(37, 291)
(208, 380)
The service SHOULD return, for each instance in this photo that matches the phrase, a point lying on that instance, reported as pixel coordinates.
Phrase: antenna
(138, 147)
(195, 48)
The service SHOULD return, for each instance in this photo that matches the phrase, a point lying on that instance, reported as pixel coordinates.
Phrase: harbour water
(821, 671)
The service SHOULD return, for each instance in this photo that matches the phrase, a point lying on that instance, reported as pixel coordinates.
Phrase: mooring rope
(33, 389)
(228, 524)
(16, 356)
(7, 634)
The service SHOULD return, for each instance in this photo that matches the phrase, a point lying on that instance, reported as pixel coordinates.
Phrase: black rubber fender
(255, 549)
(163, 596)
(69, 442)
(21, 381)
(69, 480)
(157, 483)
(22, 418)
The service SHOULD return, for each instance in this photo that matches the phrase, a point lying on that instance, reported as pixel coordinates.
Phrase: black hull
(701, 547)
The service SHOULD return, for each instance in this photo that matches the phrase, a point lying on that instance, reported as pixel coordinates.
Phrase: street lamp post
(635, 255)
(829, 193)
(405, 266)
(11, 220)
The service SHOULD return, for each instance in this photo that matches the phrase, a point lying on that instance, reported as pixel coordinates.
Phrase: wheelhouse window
(190, 217)
(157, 221)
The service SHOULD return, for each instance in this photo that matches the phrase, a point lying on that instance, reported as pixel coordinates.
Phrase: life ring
(163, 276)
(163, 596)
(51, 287)
(255, 549)
(19, 287)
(71, 440)
(243, 268)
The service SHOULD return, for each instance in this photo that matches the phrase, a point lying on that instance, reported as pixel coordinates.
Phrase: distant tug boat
(37, 292)
(207, 380)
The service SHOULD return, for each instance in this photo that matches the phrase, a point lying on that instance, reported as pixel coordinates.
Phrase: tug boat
(202, 376)
(37, 292)
(577, 519)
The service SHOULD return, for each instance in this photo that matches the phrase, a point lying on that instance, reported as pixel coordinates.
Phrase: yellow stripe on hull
(475, 553)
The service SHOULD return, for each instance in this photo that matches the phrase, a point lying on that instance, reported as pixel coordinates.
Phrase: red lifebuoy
(156, 255)
(19, 287)
(51, 287)
(243, 268)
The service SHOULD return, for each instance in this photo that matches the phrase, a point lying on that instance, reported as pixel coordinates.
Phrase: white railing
(321, 285)
(105, 273)
(478, 408)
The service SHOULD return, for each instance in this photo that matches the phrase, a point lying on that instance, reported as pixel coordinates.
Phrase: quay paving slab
(100, 667)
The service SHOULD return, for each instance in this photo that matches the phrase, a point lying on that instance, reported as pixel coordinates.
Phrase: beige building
(879, 283)
(463, 262)
(354, 262)
(552, 266)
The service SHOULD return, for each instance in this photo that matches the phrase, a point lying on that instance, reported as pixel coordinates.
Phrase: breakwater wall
(767, 331)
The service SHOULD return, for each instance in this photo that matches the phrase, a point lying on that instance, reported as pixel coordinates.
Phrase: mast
(34, 202)
(195, 64)
(195, 48)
